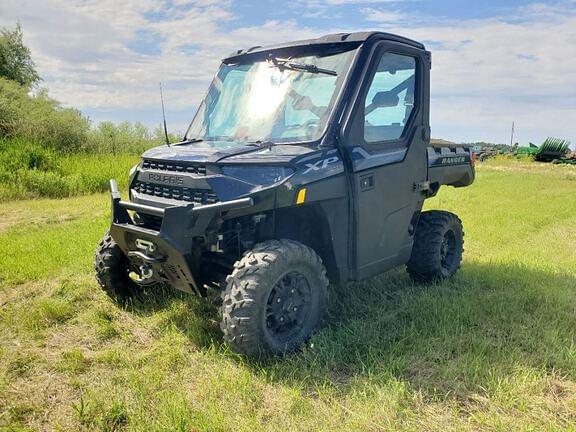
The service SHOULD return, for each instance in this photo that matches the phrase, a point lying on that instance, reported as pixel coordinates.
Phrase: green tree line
(47, 150)
(27, 113)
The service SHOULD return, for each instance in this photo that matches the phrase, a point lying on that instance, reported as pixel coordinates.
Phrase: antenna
(164, 117)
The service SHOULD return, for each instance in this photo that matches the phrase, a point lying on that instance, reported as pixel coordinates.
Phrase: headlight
(132, 172)
(258, 175)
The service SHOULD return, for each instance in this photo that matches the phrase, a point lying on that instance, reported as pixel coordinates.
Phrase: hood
(220, 151)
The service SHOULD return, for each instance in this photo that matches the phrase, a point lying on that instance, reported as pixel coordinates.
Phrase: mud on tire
(438, 247)
(274, 298)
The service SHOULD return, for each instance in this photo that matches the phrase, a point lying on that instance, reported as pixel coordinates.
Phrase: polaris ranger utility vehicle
(307, 162)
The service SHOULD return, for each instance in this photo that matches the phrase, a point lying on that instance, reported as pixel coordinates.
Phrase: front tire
(274, 298)
(438, 247)
(112, 269)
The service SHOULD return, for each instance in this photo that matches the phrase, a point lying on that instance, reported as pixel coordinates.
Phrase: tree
(15, 61)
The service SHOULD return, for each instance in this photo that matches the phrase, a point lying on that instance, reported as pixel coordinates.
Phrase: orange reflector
(301, 196)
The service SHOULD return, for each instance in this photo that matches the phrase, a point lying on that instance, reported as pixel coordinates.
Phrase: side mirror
(385, 99)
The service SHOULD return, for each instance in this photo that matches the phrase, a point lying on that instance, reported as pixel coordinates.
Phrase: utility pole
(512, 136)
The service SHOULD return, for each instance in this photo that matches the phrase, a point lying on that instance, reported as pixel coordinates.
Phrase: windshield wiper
(281, 64)
(191, 141)
(261, 143)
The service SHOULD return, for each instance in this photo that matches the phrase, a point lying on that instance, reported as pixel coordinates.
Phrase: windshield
(271, 101)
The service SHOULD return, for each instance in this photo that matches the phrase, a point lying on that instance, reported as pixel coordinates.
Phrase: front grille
(175, 166)
(198, 196)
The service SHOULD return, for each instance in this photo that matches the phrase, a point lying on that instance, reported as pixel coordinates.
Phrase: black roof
(331, 39)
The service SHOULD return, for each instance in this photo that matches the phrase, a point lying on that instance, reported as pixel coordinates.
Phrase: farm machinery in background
(554, 150)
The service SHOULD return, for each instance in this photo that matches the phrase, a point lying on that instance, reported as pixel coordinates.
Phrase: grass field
(29, 172)
(493, 349)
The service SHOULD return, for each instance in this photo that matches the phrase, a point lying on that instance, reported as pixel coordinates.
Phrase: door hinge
(422, 186)
(426, 134)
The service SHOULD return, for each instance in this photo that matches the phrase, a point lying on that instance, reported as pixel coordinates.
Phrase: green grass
(494, 348)
(30, 171)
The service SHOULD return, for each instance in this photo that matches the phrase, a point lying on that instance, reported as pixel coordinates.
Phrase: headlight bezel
(257, 174)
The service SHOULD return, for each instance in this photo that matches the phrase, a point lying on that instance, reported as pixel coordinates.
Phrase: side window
(390, 98)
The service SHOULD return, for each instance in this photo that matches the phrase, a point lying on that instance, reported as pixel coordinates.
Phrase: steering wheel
(310, 127)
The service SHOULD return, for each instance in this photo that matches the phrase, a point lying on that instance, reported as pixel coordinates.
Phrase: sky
(494, 61)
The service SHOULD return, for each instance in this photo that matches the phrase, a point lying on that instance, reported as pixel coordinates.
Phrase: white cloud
(486, 72)
(84, 49)
(332, 9)
(385, 16)
(316, 3)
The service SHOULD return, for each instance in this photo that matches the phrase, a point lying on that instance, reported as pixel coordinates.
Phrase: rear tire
(112, 270)
(438, 247)
(274, 298)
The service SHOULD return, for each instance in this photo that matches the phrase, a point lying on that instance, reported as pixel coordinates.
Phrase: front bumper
(171, 258)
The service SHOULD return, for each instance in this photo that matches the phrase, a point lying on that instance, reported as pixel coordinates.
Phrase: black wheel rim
(288, 307)
(448, 250)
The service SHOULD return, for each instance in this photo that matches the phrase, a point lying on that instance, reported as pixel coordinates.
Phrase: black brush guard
(171, 255)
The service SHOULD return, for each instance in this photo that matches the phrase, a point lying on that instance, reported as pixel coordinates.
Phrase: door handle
(366, 182)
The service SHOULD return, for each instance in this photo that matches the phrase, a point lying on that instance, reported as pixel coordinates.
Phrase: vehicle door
(385, 136)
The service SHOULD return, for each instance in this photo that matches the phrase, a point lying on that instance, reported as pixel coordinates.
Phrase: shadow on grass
(195, 317)
(444, 338)
(447, 338)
